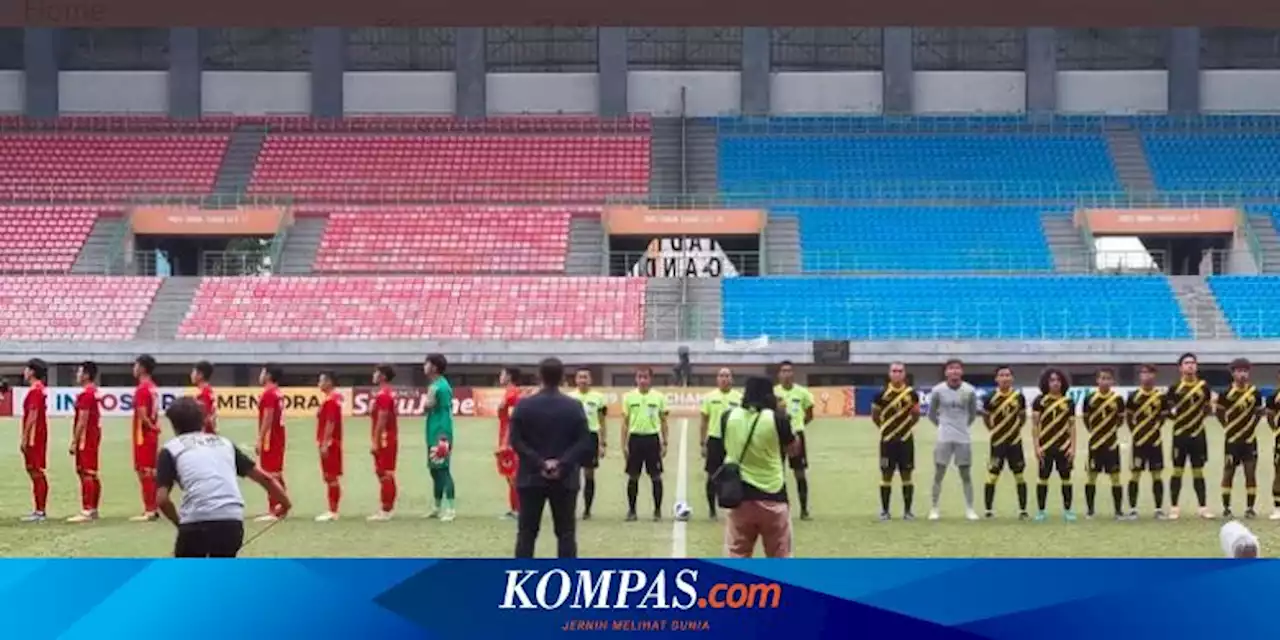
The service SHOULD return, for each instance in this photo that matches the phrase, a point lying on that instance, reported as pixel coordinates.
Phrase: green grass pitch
(844, 481)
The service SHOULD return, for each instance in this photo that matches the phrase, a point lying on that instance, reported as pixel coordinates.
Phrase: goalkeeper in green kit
(439, 436)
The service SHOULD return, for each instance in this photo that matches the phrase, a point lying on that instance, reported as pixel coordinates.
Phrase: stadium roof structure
(647, 352)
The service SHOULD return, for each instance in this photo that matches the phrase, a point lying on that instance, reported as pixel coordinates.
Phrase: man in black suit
(549, 432)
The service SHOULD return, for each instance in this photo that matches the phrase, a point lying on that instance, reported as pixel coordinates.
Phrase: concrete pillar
(40, 54)
(328, 59)
(469, 73)
(612, 68)
(1042, 70)
(184, 72)
(755, 71)
(1184, 70)
(899, 68)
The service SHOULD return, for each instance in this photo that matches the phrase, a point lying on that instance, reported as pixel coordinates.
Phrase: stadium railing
(992, 261)
(1053, 196)
(1029, 123)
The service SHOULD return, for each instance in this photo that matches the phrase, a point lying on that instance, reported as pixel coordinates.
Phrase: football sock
(40, 491)
(633, 491)
(1022, 494)
(335, 496)
(711, 497)
(1133, 492)
(657, 494)
(1067, 495)
(1250, 497)
(149, 493)
(1117, 493)
(802, 488)
(387, 493)
(1042, 494)
(886, 489)
(588, 492)
(908, 496)
(1157, 490)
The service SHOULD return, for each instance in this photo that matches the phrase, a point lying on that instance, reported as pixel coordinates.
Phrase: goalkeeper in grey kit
(953, 406)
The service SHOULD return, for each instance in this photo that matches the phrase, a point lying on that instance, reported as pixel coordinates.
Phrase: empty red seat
(461, 167)
(416, 308)
(106, 166)
(43, 238)
(73, 308)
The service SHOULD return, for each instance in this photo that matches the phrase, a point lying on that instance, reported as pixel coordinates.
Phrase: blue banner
(785, 600)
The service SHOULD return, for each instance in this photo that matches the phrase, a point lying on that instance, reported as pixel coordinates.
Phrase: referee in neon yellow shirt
(714, 405)
(593, 404)
(644, 439)
(797, 401)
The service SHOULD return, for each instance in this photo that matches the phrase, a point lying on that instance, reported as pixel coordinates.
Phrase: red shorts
(508, 463)
(87, 460)
(272, 460)
(144, 455)
(331, 463)
(384, 459)
(36, 456)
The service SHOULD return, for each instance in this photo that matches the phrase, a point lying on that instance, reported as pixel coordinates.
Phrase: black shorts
(1055, 458)
(897, 455)
(644, 452)
(593, 460)
(715, 455)
(1193, 450)
(212, 539)
(1238, 453)
(1104, 460)
(1007, 454)
(1148, 457)
(800, 461)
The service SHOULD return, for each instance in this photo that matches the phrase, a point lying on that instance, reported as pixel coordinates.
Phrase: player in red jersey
(201, 374)
(86, 436)
(271, 434)
(385, 440)
(329, 439)
(508, 463)
(146, 435)
(34, 442)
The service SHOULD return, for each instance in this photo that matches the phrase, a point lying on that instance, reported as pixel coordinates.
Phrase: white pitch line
(679, 537)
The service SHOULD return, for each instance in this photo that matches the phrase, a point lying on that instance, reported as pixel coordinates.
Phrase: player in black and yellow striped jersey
(1189, 401)
(1273, 419)
(1239, 408)
(1103, 415)
(1054, 435)
(1004, 412)
(1145, 413)
(895, 412)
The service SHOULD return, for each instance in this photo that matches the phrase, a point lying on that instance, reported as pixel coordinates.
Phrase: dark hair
(1004, 367)
(90, 369)
(1044, 380)
(147, 363)
(274, 372)
(550, 372)
(1107, 370)
(186, 415)
(387, 371)
(329, 375)
(205, 369)
(1182, 358)
(582, 368)
(514, 374)
(757, 393)
(439, 362)
(40, 368)
(952, 361)
(1241, 363)
(786, 363)
(1148, 368)
(646, 369)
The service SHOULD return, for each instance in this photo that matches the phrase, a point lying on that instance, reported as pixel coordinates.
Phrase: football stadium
(1103, 203)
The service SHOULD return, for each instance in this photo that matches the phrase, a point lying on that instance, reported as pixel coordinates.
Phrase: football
(682, 511)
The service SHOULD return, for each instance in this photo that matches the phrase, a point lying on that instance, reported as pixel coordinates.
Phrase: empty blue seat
(952, 308)
(1239, 162)
(1251, 304)
(920, 238)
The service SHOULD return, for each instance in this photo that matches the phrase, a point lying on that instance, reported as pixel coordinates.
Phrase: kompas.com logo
(615, 589)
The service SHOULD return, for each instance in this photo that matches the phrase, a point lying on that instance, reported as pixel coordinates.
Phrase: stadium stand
(464, 167)
(444, 239)
(76, 308)
(952, 307)
(1251, 305)
(921, 238)
(1014, 165)
(102, 166)
(1240, 161)
(43, 238)
(416, 308)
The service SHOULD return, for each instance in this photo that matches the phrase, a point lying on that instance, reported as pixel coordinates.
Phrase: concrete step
(663, 311)
(302, 241)
(665, 171)
(169, 309)
(1200, 307)
(586, 256)
(241, 156)
(104, 244)
(782, 246)
(1130, 160)
(701, 157)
